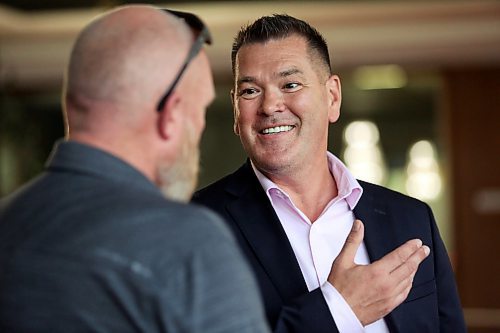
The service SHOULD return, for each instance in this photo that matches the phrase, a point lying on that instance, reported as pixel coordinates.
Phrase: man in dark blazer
(295, 208)
(102, 240)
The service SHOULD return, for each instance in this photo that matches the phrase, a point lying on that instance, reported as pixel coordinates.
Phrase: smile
(277, 129)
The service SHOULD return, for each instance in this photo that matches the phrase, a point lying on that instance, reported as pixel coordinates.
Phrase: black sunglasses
(196, 24)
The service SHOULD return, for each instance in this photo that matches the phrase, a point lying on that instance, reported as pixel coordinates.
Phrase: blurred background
(420, 112)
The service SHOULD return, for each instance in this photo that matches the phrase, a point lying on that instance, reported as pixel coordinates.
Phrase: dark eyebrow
(245, 79)
(290, 72)
(285, 73)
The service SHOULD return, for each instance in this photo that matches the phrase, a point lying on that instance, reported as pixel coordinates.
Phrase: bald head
(120, 68)
(124, 59)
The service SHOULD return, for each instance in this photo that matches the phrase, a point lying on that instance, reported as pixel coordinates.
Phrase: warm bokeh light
(423, 178)
(362, 154)
(380, 77)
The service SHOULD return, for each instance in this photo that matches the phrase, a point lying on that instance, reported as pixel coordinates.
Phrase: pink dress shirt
(316, 245)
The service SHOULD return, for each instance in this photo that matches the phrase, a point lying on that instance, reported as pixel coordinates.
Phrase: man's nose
(272, 101)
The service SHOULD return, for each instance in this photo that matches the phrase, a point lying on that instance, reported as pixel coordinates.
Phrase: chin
(271, 164)
(178, 191)
(178, 180)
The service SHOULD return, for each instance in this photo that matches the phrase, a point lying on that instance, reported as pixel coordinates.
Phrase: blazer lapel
(259, 224)
(377, 225)
(380, 234)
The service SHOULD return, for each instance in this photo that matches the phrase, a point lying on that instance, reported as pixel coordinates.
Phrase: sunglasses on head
(202, 36)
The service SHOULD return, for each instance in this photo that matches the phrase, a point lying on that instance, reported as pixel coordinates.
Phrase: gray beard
(179, 179)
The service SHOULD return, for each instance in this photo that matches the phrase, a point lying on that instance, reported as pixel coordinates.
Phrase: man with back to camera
(294, 207)
(92, 244)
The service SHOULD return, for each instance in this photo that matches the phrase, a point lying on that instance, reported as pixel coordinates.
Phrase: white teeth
(277, 129)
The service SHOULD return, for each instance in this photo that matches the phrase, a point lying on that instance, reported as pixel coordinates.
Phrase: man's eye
(248, 92)
(292, 86)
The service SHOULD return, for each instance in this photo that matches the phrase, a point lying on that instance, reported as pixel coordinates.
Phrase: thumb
(351, 245)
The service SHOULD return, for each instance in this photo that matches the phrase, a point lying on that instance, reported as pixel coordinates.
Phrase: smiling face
(283, 102)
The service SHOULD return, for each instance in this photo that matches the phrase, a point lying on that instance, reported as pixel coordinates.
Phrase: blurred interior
(420, 112)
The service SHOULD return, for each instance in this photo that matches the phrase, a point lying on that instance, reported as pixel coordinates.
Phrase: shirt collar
(348, 187)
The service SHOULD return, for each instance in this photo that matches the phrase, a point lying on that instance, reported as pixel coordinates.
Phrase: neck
(120, 149)
(310, 188)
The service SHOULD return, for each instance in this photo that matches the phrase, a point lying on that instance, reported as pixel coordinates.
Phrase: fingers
(410, 266)
(384, 306)
(394, 259)
(351, 245)
(374, 290)
(401, 289)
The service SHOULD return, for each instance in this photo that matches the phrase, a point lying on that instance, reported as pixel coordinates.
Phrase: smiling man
(294, 207)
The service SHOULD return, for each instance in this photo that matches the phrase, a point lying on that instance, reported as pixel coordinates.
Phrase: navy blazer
(390, 219)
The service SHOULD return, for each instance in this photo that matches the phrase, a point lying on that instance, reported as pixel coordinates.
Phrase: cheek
(197, 119)
(305, 104)
(244, 125)
(245, 114)
(202, 119)
(299, 103)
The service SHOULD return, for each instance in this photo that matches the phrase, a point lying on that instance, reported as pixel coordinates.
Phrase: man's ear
(170, 117)
(236, 128)
(334, 93)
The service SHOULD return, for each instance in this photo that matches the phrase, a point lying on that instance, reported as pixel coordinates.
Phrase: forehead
(273, 55)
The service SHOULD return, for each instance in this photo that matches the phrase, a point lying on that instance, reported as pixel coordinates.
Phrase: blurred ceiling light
(422, 155)
(370, 172)
(362, 153)
(361, 133)
(424, 181)
(379, 77)
(358, 154)
(424, 185)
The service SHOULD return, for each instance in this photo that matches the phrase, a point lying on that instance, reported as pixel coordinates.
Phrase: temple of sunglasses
(203, 36)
